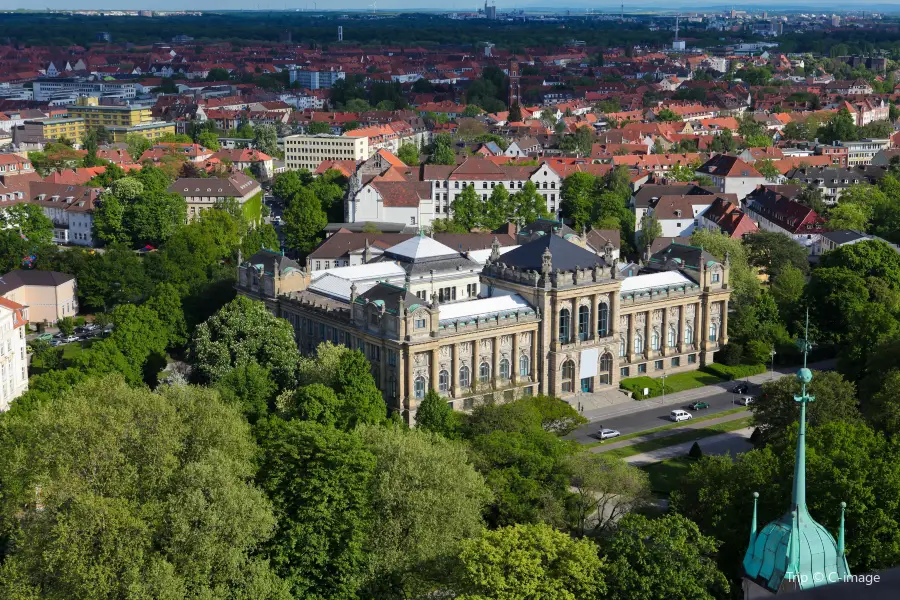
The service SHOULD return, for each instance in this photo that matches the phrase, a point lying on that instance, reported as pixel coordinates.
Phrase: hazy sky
(502, 5)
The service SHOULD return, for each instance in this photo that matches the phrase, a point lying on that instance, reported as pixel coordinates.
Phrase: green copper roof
(795, 551)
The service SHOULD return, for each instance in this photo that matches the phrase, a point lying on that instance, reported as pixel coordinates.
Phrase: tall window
(713, 332)
(524, 366)
(654, 340)
(688, 335)
(584, 323)
(464, 377)
(484, 372)
(603, 320)
(568, 376)
(606, 363)
(444, 381)
(622, 347)
(504, 369)
(420, 387)
(671, 339)
(638, 343)
(392, 386)
(564, 318)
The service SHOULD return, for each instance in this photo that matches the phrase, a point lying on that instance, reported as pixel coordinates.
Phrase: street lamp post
(773, 353)
(664, 389)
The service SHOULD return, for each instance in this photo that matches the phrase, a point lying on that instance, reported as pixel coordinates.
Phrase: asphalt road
(656, 415)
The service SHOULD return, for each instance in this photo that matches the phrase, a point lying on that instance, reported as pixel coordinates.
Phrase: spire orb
(804, 375)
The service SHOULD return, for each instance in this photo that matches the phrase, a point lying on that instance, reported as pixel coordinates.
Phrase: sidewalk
(731, 443)
(596, 411)
(688, 426)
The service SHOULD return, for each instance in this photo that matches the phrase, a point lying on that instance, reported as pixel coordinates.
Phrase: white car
(745, 400)
(605, 434)
(680, 415)
(70, 339)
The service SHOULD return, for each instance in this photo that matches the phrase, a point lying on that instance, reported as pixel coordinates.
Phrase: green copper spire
(794, 552)
(841, 532)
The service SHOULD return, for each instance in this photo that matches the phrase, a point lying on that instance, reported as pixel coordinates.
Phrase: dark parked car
(740, 388)
(699, 405)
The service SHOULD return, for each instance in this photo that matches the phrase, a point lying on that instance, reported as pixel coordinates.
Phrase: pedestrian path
(688, 426)
(731, 443)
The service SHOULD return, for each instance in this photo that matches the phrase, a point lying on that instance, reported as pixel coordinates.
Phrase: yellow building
(54, 129)
(96, 115)
(152, 131)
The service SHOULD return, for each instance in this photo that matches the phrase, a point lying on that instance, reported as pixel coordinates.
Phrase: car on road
(55, 343)
(699, 405)
(45, 337)
(69, 339)
(740, 388)
(680, 415)
(605, 434)
(746, 400)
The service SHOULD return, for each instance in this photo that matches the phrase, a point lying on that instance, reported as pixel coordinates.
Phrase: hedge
(729, 373)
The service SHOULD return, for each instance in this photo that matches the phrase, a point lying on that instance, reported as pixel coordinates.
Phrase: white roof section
(420, 246)
(378, 270)
(481, 256)
(654, 280)
(485, 306)
(338, 287)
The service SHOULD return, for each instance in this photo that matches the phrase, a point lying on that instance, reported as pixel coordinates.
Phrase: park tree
(209, 140)
(265, 139)
(776, 412)
(666, 115)
(304, 220)
(651, 229)
(66, 326)
(767, 169)
(139, 494)
(528, 561)
(667, 557)
(579, 142)
(318, 128)
(429, 499)
(250, 388)
(849, 216)
(839, 128)
(578, 199)
(245, 331)
(166, 303)
(772, 252)
(137, 145)
(409, 154)
(528, 205)
(497, 210)
(435, 415)
(468, 208)
(218, 74)
(319, 480)
(140, 335)
(603, 490)
(515, 113)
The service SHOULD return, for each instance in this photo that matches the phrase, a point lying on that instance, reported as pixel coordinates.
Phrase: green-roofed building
(794, 552)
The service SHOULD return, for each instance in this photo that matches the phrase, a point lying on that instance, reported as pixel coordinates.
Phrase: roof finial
(804, 375)
(841, 532)
(753, 523)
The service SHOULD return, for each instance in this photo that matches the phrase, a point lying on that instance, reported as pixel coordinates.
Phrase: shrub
(731, 354)
(736, 372)
(695, 452)
(636, 386)
(757, 351)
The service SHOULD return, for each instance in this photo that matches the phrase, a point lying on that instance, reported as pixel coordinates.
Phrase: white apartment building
(308, 151)
(13, 358)
(863, 151)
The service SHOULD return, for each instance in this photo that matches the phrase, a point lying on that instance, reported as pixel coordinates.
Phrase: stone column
(702, 342)
(476, 364)
(573, 323)
(664, 332)
(595, 316)
(402, 367)
(382, 366)
(434, 368)
(514, 360)
(454, 376)
(679, 339)
(410, 380)
(532, 353)
(723, 334)
(648, 328)
(613, 313)
(495, 370)
(629, 341)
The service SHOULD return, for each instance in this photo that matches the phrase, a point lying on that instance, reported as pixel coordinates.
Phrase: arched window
(672, 338)
(713, 332)
(484, 372)
(444, 381)
(688, 335)
(524, 366)
(606, 363)
(568, 376)
(420, 387)
(564, 323)
(584, 323)
(603, 320)
(464, 379)
(654, 340)
(638, 343)
(622, 346)
(504, 368)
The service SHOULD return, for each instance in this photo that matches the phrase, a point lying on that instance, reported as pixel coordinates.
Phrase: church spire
(798, 498)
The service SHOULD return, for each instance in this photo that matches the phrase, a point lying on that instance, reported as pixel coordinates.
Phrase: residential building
(315, 80)
(259, 163)
(832, 240)
(678, 215)
(46, 90)
(647, 196)
(13, 352)
(307, 151)
(109, 115)
(47, 296)
(774, 209)
(202, 194)
(832, 181)
(731, 175)
(152, 131)
(861, 153)
(551, 317)
(726, 217)
(38, 133)
(70, 208)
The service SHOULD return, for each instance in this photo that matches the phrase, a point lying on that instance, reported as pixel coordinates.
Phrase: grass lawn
(681, 437)
(70, 351)
(679, 382)
(631, 436)
(664, 475)
(67, 353)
